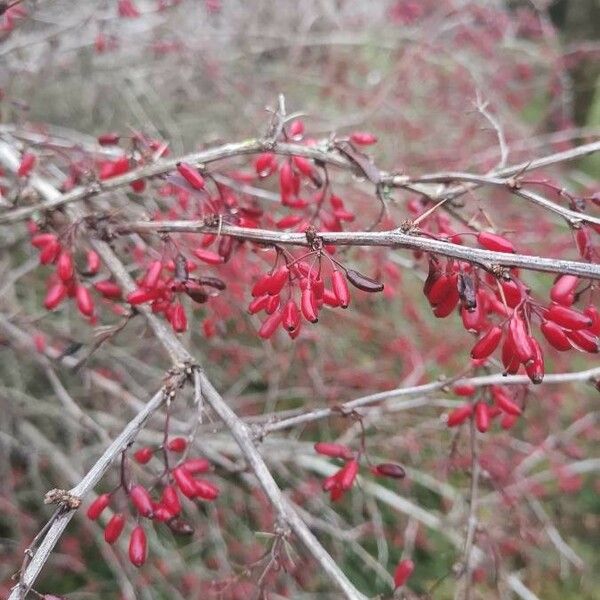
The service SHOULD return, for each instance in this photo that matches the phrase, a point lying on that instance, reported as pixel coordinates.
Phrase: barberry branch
(236, 426)
(321, 153)
(394, 239)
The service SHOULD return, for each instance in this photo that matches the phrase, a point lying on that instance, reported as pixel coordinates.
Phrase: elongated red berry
(482, 417)
(308, 305)
(64, 266)
(170, 500)
(277, 280)
(584, 340)
(191, 175)
(291, 315)
(459, 415)
(535, 367)
(93, 262)
(141, 500)
(206, 490)
(304, 166)
(258, 304)
(270, 325)
(288, 221)
(563, 288)
(287, 181)
(114, 528)
(138, 546)
(463, 389)
(334, 450)
(487, 343)
(178, 444)
(348, 473)
(178, 318)
(27, 164)
(196, 465)
(521, 340)
(109, 289)
(141, 296)
(555, 335)
(504, 403)
(97, 506)
(208, 256)
(494, 242)
(185, 482)
(42, 239)
(363, 138)
(143, 455)
(403, 572)
(448, 304)
(49, 252)
(340, 288)
(265, 164)
(440, 288)
(152, 276)
(568, 317)
(56, 293)
(84, 301)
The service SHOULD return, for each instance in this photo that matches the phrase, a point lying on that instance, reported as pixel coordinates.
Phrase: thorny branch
(237, 427)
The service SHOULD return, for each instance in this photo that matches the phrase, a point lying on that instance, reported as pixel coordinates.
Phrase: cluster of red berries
(162, 291)
(64, 281)
(182, 479)
(563, 326)
(343, 479)
(267, 292)
(501, 404)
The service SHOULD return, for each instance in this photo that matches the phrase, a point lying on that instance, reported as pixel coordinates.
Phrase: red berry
(563, 289)
(55, 295)
(568, 317)
(459, 415)
(143, 455)
(334, 450)
(93, 262)
(196, 465)
(340, 288)
(291, 315)
(178, 444)
(64, 266)
(206, 490)
(191, 175)
(403, 572)
(209, 257)
(97, 506)
(482, 417)
(84, 301)
(363, 138)
(270, 325)
(114, 528)
(170, 500)
(494, 242)
(137, 546)
(27, 164)
(109, 289)
(141, 500)
(487, 343)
